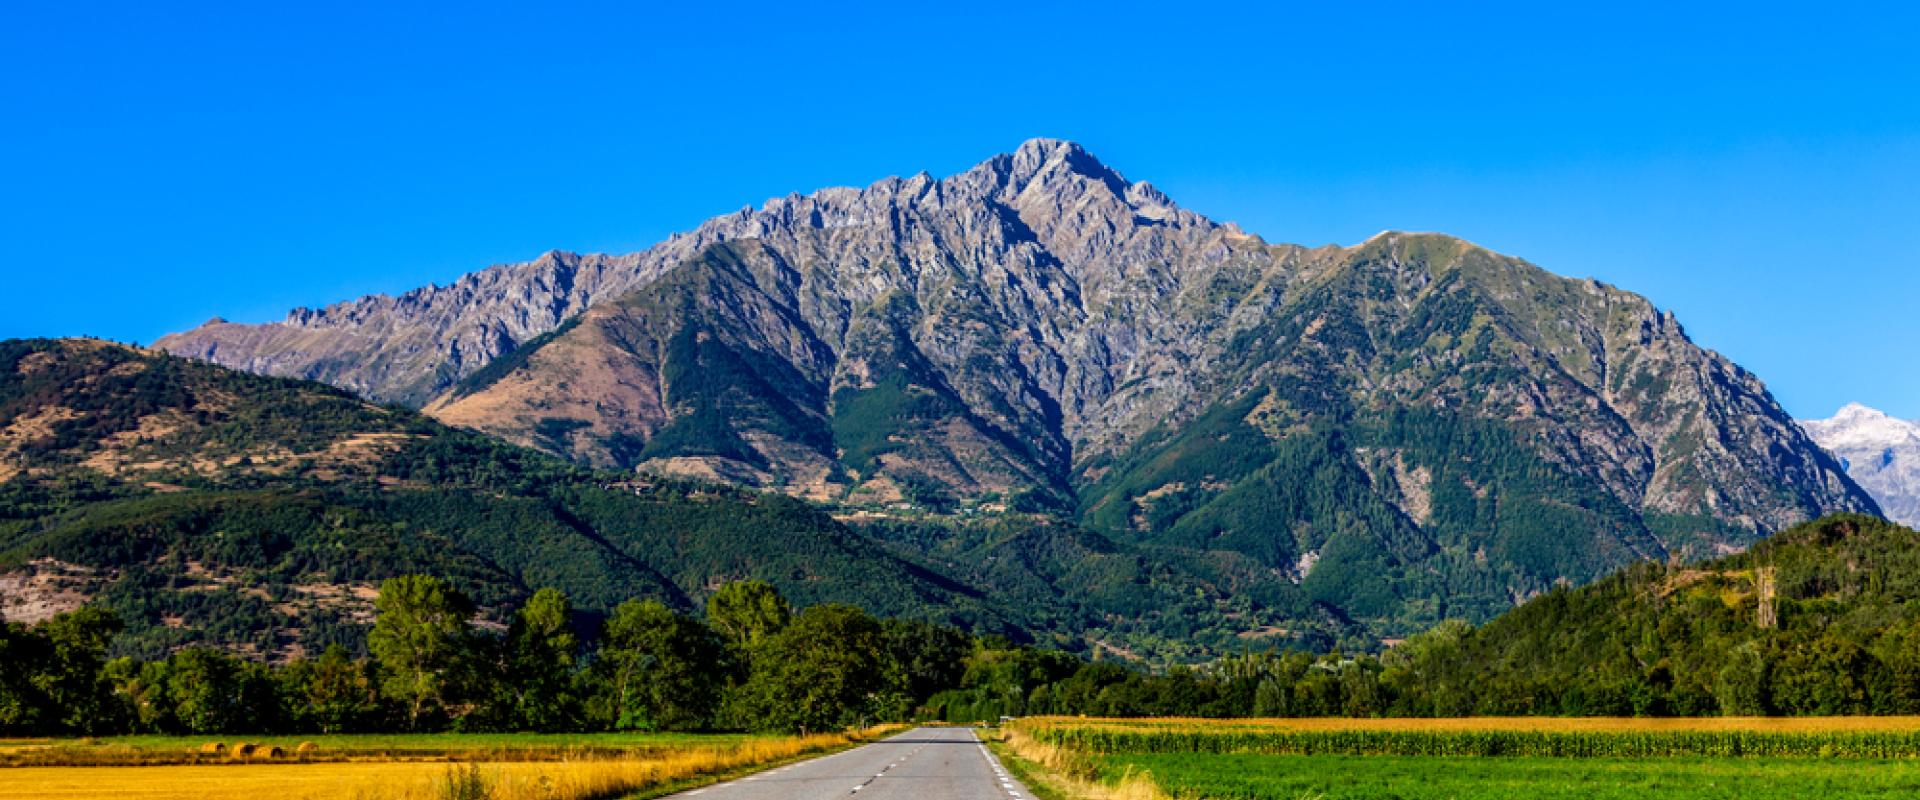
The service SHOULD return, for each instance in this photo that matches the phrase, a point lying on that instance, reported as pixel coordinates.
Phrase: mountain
(1820, 619)
(1879, 452)
(211, 506)
(1396, 432)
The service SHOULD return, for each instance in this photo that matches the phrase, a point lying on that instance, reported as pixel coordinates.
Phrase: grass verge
(1057, 773)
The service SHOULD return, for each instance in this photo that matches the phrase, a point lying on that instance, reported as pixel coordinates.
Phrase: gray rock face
(409, 348)
(1880, 452)
(1040, 321)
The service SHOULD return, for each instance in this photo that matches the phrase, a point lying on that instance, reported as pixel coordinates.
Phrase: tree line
(750, 663)
(1821, 619)
(1840, 634)
(1452, 671)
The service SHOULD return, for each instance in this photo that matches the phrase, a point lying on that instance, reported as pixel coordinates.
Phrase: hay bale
(307, 749)
(274, 751)
(241, 750)
(213, 748)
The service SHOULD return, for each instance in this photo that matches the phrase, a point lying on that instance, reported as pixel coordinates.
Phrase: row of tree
(1449, 672)
(751, 663)
(1822, 619)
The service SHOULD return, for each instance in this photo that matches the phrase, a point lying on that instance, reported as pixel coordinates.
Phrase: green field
(1480, 758)
(1266, 777)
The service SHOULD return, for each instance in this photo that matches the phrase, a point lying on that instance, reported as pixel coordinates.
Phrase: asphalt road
(921, 764)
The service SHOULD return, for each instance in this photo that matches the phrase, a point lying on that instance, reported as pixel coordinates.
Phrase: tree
(540, 652)
(1742, 684)
(826, 669)
(78, 699)
(1317, 694)
(1360, 688)
(923, 658)
(1423, 671)
(421, 641)
(334, 693)
(1820, 675)
(141, 689)
(1076, 693)
(663, 670)
(748, 611)
(22, 701)
(1272, 698)
(205, 687)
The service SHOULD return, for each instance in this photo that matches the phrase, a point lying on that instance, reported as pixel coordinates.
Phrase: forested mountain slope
(206, 504)
(209, 505)
(1823, 618)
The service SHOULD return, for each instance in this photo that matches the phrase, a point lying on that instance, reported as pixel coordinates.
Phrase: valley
(999, 401)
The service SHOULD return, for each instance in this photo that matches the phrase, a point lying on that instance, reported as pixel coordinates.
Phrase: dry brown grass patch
(248, 771)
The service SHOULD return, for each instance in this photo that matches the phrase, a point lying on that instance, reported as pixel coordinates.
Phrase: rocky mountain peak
(1037, 154)
(1034, 318)
(411, 347)
(1055, 173)
(1040, 332)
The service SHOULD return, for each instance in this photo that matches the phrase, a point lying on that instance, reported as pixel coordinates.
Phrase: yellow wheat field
(1517, 724)
(580, 779)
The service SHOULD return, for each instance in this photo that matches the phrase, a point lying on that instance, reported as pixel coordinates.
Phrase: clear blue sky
(1755, 168)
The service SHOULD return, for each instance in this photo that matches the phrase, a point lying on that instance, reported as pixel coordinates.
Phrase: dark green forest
(749, 663)
(1822, 619)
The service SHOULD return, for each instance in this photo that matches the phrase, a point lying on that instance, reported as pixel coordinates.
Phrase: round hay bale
(241, 750)
(307, 748)
(275, 751)
(213, 748)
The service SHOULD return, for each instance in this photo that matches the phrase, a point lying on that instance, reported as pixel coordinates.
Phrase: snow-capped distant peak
(1881, 453)
(1857, 425)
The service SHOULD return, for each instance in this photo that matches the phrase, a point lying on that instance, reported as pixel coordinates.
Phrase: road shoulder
(1054, 773)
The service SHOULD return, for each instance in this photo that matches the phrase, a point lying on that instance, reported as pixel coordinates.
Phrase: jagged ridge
(1040, 329)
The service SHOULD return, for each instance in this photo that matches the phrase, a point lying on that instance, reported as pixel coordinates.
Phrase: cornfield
(1623, 740)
